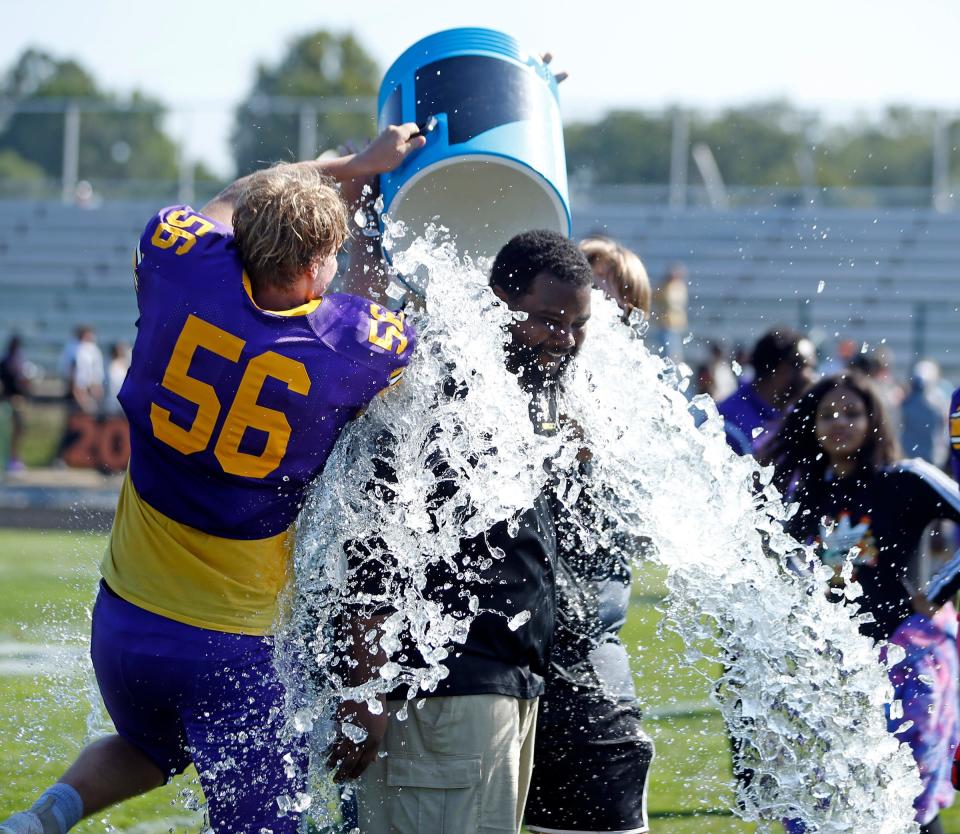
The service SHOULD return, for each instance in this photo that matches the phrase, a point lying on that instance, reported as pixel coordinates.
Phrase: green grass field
(49, 581)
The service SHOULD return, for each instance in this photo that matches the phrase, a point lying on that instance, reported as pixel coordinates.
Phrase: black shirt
(882, 514)
(502, 654)
(590, 695)
(507, 575)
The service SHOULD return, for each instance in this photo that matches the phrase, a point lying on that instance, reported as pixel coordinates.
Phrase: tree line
(765, 144)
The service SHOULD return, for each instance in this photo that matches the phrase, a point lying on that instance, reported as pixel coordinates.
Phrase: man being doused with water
(460, 762)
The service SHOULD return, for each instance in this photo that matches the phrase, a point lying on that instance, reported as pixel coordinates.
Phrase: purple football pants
(183, 694)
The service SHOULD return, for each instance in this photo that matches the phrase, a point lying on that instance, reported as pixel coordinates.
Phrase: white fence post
(941, 164)
(679, 154)
(71, 151)
(308, 132)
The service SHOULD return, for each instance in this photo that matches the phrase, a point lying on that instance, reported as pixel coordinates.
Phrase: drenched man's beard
(524, 361)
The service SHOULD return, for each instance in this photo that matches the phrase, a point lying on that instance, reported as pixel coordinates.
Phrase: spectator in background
(15, 375)
(620, 273)
(670, 301)
(87, 373)
(877, 364)
(116, 374)
(68, 357)
(784, 362)
(82, 365)
(924, 415)
(724, 381)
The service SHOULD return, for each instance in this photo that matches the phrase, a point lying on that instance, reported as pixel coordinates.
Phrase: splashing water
(457, 405)
(802, 691)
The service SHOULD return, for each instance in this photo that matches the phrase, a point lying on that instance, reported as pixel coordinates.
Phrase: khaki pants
(457, 765)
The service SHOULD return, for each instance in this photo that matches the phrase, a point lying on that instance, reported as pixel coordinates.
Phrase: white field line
(48, 659)
(190, 822)
(681, 709)
(19, 659)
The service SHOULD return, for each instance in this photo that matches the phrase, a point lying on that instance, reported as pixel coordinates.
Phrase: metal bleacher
(889, 275)
(61, 266)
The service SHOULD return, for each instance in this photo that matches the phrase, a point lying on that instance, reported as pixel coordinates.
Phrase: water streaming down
(802, 690)
(457, 406)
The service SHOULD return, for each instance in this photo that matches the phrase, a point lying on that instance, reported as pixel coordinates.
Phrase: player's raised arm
(384, 154)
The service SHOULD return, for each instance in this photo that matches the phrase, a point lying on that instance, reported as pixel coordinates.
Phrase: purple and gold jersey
(955, 434)
(233, 410)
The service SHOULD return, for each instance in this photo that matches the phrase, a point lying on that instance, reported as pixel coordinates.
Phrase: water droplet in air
(353, 732)
(389, 670)
(302, 721)
(518, 620)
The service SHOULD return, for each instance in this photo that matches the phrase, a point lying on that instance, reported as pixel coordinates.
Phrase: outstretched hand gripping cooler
(493, 164)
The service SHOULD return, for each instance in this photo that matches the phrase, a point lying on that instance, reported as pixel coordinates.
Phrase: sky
(841, 57)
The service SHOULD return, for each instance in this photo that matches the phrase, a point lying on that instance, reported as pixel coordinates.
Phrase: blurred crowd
(764, 373)
(90, 385)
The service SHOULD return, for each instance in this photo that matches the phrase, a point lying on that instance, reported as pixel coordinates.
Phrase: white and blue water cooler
(494, 162)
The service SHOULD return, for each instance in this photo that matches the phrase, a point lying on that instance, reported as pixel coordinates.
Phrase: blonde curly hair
(286, 217)
(619, 272)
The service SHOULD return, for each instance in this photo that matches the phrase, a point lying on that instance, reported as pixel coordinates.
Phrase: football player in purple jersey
(244, 373)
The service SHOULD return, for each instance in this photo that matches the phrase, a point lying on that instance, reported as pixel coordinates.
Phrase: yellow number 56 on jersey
(245, 412)
(392, 337)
